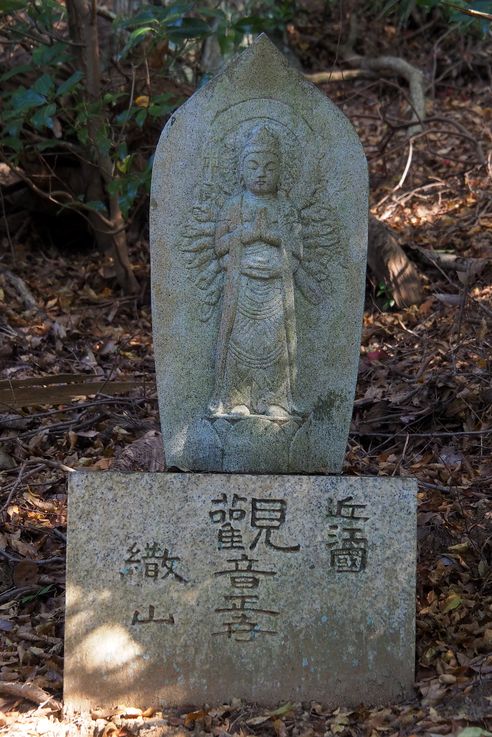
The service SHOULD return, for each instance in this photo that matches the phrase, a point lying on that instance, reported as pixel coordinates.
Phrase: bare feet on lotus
(240, 409)
(275, 411)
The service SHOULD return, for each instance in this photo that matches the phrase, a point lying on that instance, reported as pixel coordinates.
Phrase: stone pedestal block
(191, 589)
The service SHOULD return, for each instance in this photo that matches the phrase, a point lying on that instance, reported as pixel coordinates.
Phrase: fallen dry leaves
(423, 408)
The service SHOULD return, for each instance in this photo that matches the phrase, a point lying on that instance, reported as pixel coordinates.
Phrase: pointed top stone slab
(259, 211)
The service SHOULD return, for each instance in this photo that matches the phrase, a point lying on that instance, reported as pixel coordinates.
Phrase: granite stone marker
(196, 588)
(259, 210)
(185, 588)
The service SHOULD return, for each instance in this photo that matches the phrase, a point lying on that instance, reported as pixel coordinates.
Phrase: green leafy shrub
(46, 107)
(45, 102)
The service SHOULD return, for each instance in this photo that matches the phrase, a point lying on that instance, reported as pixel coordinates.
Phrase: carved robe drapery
(259, 287)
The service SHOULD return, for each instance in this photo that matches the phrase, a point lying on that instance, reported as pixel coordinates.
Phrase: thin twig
(407, 167)
(7, 227)
(17, 591)
(403, 176)
(74, 407)
(458, 433)
(57, 426)
(69, 204)
(44, 562)
(14, 487)
(59, 534)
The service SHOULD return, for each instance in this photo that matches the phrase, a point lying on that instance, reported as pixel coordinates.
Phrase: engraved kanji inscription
(230, 538)
(243, 525)
(346, 536)
(228, 510)
(244, 628)
(243, 574)
(154, 561)
(244, 624)
(346, 508)
(137, 618)
(225, 512)
(268, 515)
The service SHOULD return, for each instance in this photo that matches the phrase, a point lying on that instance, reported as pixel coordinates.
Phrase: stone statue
(253, 256)
(258, 240)
(258, 251)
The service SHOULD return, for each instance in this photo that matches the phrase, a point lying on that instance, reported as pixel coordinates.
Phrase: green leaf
(44, 590)
(103, 142)
(111, 97)
(135, 38)
(251, 24)
(123, 117)
(80, 125)
(113, 187)
(226, 42)
(134, 35)
(126, 199)
(14, 128)
(44, 85)
(211, 13)
(15, 71)
(176, 11)
(141, 117)
(10, 6)
(23, 99)
(46, 55)
(13, 143)
(43, 117)
(70, 83)
(122, 150)
(163, 104)
(452, 602)
(187, 28)
(474, 732)
(124, 165)
(149, 14)
(282, 710)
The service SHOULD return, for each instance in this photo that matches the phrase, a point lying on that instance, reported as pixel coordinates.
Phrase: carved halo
(232, 129)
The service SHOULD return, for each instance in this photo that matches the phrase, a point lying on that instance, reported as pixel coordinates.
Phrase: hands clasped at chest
(261, 241)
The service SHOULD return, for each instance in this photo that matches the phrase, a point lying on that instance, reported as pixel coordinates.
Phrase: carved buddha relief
(258, 248)
(251, 247)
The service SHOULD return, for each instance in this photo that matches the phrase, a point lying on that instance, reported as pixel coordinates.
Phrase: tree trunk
(82, 21)
(390, 264)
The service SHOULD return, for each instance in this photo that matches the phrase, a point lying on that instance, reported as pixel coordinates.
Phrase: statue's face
(261, 172)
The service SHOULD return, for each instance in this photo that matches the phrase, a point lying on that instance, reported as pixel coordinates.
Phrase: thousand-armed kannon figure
(249, 246)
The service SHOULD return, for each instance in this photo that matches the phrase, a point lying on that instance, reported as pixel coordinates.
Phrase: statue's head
(260, 161)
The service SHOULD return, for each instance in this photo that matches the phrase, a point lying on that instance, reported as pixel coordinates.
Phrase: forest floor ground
(422, 409)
